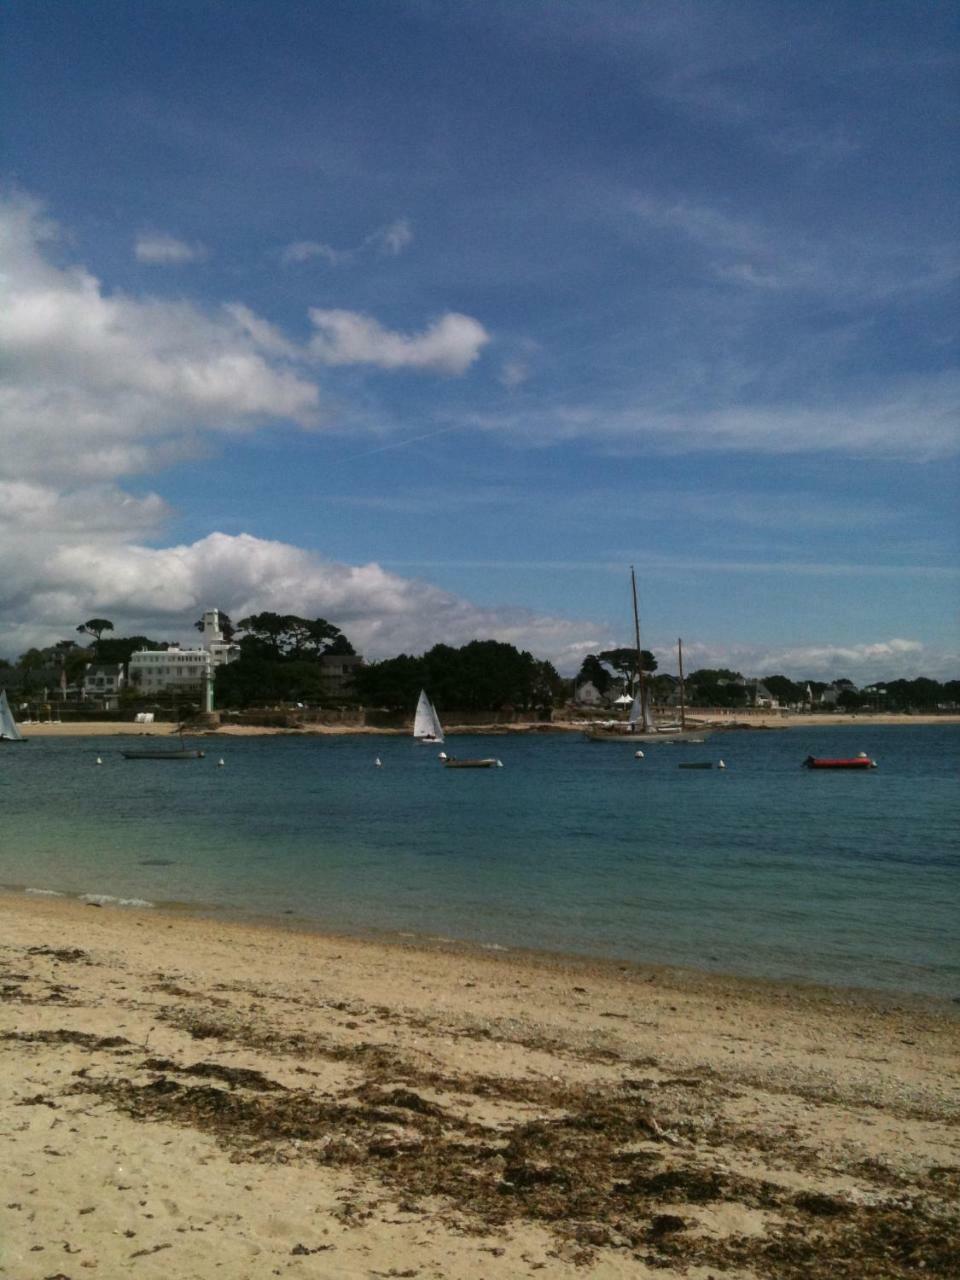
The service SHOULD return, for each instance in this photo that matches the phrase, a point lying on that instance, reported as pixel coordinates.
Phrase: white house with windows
(104, 680)
(152, 670)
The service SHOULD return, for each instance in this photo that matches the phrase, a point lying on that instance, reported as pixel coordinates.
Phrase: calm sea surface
(762, 868)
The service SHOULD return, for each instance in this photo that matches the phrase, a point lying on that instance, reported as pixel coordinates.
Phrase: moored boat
(640, 726)
(183, 752)
(861, 761)
(487, 762)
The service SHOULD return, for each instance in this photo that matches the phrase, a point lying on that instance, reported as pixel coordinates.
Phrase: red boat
(862, 761)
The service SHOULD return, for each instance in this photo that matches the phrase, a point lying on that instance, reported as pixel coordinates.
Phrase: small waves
(108, 900)
(92, 899)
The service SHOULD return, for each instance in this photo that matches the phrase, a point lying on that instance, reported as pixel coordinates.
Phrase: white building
(151, 670)
(103, 680)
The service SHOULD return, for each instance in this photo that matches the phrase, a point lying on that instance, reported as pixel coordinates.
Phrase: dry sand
(110, 728)
(190, 1098)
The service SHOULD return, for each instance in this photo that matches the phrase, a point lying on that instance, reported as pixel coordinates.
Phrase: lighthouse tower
(211, 628)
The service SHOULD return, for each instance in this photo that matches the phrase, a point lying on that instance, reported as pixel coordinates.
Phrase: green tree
(852, 700)
(787, 692)
(716, 687)
(592, 669)
(624, 662)
(286, 637)
(484, 675)
(95, 627)
(121, 648)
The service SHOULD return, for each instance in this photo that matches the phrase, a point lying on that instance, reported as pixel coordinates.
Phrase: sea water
(761, 868)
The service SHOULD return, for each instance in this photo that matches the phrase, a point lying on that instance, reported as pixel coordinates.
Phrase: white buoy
(220, 763)
(499, 764)
(721, 765)
(378, 762)
(99, 761)
(442, 755)
(638, 755)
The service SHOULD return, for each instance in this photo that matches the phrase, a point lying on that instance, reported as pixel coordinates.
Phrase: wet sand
(184, 1098)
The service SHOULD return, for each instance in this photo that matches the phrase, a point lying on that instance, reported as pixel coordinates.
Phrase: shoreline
(739, 723)
(214, 915)
(196, 1094)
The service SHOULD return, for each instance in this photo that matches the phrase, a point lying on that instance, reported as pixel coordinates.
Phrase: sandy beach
(185, 1098)
(111, 728)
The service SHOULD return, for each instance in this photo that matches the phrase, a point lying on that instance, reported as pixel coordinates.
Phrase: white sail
(8, 729)
(636, 711)
(648, 724)
(426, 723)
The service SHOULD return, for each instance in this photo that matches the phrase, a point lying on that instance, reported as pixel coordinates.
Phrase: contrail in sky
(400, 444)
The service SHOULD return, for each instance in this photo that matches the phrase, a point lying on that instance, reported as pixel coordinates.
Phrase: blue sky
(432, 318)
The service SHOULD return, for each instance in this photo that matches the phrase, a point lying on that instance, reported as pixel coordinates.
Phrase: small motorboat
(487, 762)
(861, 761)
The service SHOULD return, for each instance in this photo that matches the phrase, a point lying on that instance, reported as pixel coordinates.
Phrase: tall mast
(636, 631)
(683, 701)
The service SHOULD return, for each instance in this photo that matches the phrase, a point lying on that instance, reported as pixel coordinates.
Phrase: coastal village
(137, 679)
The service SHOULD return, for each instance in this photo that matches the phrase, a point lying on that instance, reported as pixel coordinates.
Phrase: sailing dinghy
(8, 726)
(426, 722)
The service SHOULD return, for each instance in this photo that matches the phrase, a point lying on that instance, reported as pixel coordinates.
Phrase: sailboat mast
(636, 631)
(683, 700)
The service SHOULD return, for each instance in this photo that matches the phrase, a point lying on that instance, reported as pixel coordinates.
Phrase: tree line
(281, 660)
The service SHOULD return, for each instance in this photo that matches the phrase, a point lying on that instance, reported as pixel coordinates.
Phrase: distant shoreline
(114, 728)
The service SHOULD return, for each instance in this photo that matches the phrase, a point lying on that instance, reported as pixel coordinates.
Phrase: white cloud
(450, 345)
(305, 250)
(747, 252)
(513, 373)
(392, 240)
(911, 418)
(80, 554)
(161, 591)
(103, 385)
(892, 659)
(158, 249)
(388, 241)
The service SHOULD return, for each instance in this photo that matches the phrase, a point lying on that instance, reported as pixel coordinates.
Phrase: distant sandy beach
(760, 721)
(183, 1098)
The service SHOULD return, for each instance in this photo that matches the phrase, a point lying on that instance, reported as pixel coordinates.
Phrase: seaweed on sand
(599, 1173)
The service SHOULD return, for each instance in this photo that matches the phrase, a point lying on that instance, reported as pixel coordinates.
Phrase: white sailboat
(8, 726)
(426, 722)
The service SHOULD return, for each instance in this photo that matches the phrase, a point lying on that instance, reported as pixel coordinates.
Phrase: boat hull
(823, 762)
(163, 755)
(487, 763)
(641, 738)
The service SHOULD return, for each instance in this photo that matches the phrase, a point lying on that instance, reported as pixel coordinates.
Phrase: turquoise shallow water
(762, 869)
